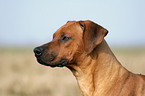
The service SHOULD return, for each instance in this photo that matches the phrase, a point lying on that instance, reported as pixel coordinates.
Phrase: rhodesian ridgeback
(80, 46)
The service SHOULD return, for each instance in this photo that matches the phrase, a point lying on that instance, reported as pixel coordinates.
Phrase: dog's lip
(61, 63)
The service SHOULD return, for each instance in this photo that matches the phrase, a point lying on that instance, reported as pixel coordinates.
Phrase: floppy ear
(93, 35)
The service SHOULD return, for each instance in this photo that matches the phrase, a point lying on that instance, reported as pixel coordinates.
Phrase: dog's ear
(93, 35)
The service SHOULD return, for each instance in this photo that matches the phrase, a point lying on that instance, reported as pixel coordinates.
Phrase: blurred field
(21, 75)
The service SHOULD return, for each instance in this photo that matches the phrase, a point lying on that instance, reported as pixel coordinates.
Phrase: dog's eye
(65, 38)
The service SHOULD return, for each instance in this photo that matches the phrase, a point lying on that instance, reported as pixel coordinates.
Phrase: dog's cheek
(69, 56)
(73, 54)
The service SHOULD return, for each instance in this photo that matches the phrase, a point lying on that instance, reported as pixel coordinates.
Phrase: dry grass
(21, 75)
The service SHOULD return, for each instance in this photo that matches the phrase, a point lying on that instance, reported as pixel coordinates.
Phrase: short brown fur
(90, 59)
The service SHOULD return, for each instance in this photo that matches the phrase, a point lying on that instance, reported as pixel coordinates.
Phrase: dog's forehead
(71, 27)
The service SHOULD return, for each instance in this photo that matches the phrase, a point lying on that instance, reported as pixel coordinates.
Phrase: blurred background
(25, 24)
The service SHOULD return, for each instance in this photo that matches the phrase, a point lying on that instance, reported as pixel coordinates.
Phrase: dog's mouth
(63, 62)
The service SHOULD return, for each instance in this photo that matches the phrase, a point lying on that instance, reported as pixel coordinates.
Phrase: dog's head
(69, 42)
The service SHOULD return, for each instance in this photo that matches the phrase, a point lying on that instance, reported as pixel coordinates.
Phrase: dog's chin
(61, 63)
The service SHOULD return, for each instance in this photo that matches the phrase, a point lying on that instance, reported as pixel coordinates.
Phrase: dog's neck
(96, 67)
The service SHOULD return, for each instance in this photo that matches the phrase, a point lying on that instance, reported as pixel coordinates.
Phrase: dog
(81, 47)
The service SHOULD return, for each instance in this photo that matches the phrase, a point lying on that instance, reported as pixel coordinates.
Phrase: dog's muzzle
(47, 60)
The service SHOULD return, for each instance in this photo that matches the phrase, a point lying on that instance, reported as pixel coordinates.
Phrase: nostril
(38, 51)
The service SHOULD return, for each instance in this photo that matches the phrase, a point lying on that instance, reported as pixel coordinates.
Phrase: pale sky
(33, 22)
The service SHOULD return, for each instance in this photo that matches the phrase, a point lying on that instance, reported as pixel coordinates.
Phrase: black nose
(38, 51)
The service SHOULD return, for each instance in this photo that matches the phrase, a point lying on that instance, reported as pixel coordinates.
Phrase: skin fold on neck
(96, 67)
